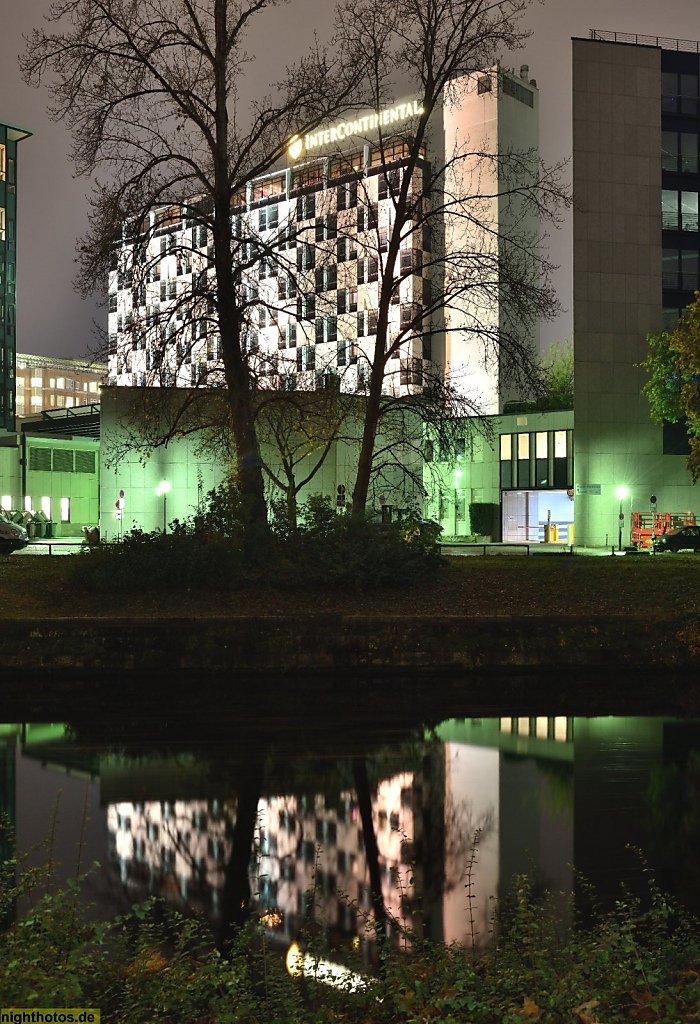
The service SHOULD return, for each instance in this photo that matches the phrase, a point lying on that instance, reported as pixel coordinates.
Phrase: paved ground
(70, 545)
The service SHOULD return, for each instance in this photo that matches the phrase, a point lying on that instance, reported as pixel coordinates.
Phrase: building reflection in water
(540, 794)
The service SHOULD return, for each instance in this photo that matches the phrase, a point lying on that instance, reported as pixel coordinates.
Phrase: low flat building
(47, 382)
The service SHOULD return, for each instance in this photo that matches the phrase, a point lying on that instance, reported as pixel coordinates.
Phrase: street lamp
(162, 489)
(621, 493)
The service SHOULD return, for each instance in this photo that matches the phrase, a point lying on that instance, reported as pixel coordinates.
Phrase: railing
(51, 544)
(505, 547)
(664, 42)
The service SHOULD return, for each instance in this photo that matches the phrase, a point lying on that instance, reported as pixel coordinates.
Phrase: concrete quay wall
(326, 643)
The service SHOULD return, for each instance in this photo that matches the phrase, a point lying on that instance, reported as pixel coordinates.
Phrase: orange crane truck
(648, 525)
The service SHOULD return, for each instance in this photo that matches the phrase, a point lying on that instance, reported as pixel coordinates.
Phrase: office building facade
(10, 135)
(635, 265)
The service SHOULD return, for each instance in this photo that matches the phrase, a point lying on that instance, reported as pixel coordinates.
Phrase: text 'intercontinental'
(346, 129)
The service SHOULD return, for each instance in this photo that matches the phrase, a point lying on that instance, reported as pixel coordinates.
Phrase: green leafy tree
(558, 381)
(673, 387)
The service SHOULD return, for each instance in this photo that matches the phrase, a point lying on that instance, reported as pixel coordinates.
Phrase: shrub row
(209, 551)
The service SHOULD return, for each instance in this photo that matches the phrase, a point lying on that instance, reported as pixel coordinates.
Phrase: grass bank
(661, 587)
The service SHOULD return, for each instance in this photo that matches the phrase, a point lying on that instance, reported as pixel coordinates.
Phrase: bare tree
(151, 92)
(441, 226)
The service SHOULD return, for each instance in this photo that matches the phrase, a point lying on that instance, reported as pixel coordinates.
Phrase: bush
(207, 552)
(344, 550)
(155, 964)
(482, 516)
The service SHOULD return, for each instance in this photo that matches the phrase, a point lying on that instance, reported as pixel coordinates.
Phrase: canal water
(145, 800)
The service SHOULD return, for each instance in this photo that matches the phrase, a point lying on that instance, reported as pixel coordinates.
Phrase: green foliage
(663, 389)
(356, 551)
(673, 387)
(559, 377)
(482, 516)
(208, 552)
(637, 962)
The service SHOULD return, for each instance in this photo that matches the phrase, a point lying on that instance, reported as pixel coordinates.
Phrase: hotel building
(322, 226)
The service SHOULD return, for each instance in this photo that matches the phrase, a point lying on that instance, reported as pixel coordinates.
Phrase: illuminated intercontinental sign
(347, 129)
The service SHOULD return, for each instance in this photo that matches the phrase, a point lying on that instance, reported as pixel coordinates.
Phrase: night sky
(53, 319)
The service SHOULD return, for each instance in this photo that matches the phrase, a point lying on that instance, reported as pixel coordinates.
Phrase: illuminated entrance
(526, 514)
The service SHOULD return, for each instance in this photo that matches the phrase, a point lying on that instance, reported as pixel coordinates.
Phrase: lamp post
(162, 489)
(621, 493)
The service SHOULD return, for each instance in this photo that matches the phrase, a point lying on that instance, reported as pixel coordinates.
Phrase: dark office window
(675, 438)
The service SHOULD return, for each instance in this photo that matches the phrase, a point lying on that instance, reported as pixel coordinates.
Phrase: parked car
(682, 539)
(13, 537)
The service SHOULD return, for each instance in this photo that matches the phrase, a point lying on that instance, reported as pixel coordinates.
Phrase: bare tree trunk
(369, 434)
(235, 902)
(364, 799)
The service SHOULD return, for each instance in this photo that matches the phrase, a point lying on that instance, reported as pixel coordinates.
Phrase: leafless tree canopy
(151, 91)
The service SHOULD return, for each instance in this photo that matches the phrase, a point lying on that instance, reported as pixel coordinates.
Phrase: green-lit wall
(475, 476)
(80, 484)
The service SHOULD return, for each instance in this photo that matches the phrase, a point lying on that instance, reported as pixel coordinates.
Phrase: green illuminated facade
(10, 135)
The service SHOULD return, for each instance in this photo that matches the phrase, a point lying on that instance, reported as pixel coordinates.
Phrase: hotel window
(305, 177)
(346, 249)
(6, 502)
(689, 211)
(2, 223)
(560, 458)
(680, 269)
(368, 217)
(2, 162)
(675, 205)
(326, 227)
(347, 300)
(679, 93)
(389, 184)
(679, 152)
(65, 510)
(267, 188)
(390, 151)
(346, 196)
(306, 307)
(46, 506)
(523, 460)
(306, 207)
(541, 475)
(306, 257)
(268, 217)
(28, 503)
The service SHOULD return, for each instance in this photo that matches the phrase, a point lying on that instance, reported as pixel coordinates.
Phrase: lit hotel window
(27, 503)
(65, 510)
(6, 502)
(46, 506)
